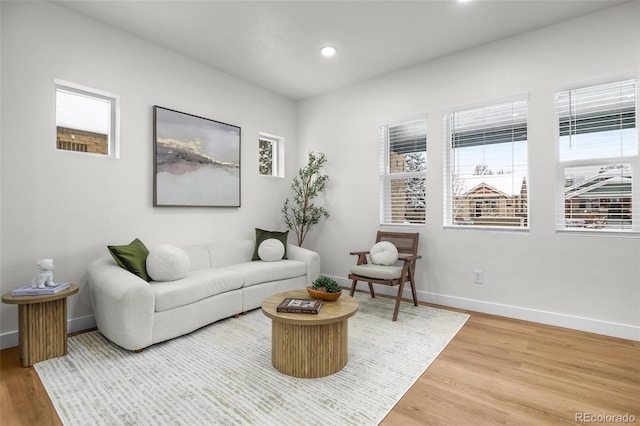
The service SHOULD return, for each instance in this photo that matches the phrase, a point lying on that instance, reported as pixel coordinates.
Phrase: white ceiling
(275, 44)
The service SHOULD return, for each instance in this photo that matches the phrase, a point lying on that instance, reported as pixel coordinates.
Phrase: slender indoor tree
(301, 214)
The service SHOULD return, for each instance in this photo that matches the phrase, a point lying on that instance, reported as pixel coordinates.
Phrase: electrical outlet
(478, 277)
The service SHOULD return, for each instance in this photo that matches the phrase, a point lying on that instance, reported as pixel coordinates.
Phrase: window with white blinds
(486, 166)
(597, 157)
(403, 168)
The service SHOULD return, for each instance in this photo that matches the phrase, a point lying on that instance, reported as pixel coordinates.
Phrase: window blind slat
(597, 123)
(408, 137)
(486, 181)
(403, 159)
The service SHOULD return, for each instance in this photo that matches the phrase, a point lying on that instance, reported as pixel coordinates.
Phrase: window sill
(594, 233)
(402, 226)
(501, 229)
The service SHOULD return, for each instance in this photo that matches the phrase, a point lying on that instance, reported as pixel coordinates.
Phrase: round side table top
(343, 308)
(41, 298)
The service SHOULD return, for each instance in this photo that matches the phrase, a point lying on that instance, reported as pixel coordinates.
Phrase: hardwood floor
(504, 371)
(495, 371)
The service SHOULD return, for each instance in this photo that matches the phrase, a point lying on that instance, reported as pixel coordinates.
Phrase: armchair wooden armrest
(362, 256)
(407, 257)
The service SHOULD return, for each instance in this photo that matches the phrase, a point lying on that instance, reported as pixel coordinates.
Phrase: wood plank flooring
(504, 371)
(495, 371)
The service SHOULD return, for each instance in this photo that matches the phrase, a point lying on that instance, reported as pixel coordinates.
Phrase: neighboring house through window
(486, 166)
(597, 158)
(403, 167)
(86, 120)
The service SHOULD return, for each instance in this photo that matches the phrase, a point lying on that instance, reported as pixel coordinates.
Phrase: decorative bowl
(329, 297)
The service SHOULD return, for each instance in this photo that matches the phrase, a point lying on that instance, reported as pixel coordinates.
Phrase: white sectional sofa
(222, 281)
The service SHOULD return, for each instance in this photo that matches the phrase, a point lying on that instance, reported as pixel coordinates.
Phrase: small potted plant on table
(325, 288)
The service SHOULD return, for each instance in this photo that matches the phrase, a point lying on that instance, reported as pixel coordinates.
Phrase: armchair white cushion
(381, 272)
(383, 253)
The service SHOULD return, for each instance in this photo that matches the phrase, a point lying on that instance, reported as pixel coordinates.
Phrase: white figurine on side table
(44, 274)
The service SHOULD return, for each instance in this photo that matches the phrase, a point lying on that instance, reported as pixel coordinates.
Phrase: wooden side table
(42, 324)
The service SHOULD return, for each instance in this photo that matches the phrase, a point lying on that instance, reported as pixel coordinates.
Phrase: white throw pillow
(271, 250)
(167, 263)
(383, 253)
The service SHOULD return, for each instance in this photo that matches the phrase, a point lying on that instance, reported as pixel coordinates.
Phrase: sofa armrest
(311, 258)
(123, 304)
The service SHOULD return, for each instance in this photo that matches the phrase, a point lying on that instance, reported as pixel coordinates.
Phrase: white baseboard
(623, 331)
(10, 339)
(590, 325)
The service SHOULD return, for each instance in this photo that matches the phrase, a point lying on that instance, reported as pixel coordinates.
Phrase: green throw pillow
(262, 235)
(132, 257)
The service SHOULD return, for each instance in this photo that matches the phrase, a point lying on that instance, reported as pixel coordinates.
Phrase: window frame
(561, 226)
(448, 169)
(113, 135)
(277, 154)
(386, 176)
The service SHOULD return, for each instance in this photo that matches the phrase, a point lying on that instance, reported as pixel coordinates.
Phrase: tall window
(486, 166)
(270, 155)
(597, 157)
(403, 167)
(86, 120)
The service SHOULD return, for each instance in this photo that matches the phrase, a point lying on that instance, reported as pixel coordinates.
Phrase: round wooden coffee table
(310, 345)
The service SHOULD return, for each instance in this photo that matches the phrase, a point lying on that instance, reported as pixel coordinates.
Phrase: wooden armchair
(398, 274)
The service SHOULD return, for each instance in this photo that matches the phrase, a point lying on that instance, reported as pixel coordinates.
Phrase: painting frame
(196, 161)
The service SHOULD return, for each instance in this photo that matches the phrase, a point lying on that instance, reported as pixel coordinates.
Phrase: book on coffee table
(300, 306)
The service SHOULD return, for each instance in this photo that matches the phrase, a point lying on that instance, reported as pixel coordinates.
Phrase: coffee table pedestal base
(309, 351)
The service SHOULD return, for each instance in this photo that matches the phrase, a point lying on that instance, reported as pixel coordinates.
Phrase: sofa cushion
(230, 252)
(167, 263)
(198, 255)
(262, 272)
(132, 257)
(196, 286)
(262, 235)
(271, 250)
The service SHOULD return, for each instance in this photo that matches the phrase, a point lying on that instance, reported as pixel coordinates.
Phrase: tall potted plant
(301, 214)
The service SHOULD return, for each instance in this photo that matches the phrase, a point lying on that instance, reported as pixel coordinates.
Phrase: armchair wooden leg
(353, 287)
(398, 300)
(413, 290)
(373, 293)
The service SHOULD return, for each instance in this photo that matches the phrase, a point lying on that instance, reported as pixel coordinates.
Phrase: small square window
(86, 120)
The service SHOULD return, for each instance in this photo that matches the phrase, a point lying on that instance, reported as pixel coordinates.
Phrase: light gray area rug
(222, 374)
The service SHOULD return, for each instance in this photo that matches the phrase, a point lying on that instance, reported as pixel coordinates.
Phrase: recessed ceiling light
(464, 1)
(328, 51)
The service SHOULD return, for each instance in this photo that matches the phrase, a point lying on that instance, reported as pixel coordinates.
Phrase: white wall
(69, 206)
(590, 283)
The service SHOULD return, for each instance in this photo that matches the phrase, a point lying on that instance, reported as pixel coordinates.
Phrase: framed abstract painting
(196, 161)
